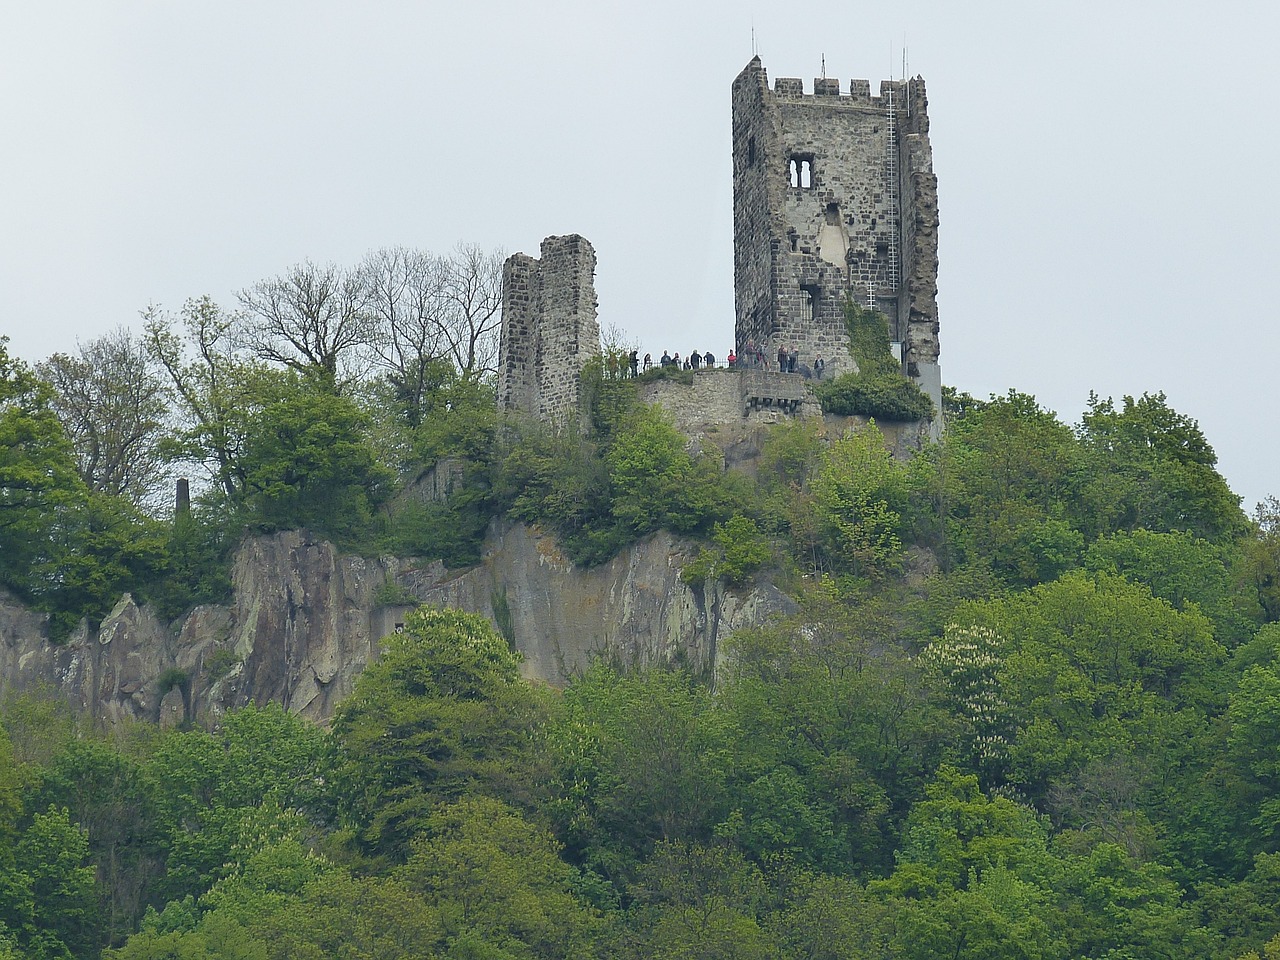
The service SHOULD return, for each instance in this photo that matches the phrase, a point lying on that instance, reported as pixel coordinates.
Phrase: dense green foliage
(602, 492)
(1027, 706)
(887, 397)
(1081, 769)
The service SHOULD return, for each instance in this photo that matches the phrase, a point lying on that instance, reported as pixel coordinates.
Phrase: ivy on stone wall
(879, 388)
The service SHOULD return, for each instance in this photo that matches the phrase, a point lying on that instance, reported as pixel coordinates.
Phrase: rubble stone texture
(825, 206)
(549, 329)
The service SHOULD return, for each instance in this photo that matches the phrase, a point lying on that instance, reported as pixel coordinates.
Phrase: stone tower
(834, 196)
(549, 329)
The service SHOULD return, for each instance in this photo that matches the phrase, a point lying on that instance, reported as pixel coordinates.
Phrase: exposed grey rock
(305, 620)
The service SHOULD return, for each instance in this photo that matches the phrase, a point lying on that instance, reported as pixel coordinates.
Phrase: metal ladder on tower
(891, 190)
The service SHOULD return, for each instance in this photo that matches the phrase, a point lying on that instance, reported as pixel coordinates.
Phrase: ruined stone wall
(726, 397)
(816, 220)
(549, 329)
(919, 314)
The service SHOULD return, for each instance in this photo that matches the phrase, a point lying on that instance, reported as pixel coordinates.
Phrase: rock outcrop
(305, 620)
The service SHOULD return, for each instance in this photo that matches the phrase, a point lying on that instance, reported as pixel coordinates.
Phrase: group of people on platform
(752, 356)
(694, 361)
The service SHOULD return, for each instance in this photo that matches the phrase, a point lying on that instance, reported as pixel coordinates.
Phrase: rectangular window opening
(810, 302)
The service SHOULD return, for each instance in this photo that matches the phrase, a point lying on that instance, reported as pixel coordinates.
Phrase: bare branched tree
(406, 290)
(433, 311)
(207, 386)
(113, 402)
(312, 318)
(473, 294)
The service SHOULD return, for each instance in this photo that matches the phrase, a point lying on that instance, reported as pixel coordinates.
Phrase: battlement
(834, 200)
(792, 88)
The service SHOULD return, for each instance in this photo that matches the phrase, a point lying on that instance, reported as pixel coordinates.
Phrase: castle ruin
(834, 197)
(549, 329)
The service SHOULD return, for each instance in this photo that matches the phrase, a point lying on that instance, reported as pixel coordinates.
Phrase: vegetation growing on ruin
(878, 389)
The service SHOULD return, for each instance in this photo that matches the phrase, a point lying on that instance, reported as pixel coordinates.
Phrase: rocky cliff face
(305, 621)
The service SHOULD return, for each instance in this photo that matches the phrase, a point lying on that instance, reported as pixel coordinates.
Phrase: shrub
(737, 550)
(172, 678)
(879, 388)
(882, 396)
(657, 483)
(452, 530)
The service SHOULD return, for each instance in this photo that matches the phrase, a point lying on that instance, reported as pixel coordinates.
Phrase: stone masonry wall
(920, 233)
(549, 329)
(815, 219)
(723, 397)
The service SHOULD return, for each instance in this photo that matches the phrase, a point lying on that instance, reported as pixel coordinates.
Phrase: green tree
(98, 548)
(104, 792)
(1152, 467)
(359, 918)
(441, 714)
(1095, 661)
(1259, 569)
(49, 898)
(859, 494)
(1253, 714)
(701, 902)
(494, 877)
(203, 788)
(737, 550)
(832, 918)
(657, 483)
(1181, 569)
(1114, 905)
(836, 733)
(957, 834)
(307, 461)
(1007, 478)
(560, 480)
(639, 758)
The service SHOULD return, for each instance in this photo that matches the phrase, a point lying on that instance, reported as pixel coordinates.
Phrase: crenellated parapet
(834, 199)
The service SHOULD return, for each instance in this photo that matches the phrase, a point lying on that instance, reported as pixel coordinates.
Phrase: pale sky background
(1106, 171)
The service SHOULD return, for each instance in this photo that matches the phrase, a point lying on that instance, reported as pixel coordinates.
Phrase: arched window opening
(801, 171)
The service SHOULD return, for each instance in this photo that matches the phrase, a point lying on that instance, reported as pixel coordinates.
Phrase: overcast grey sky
(1106, 170)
